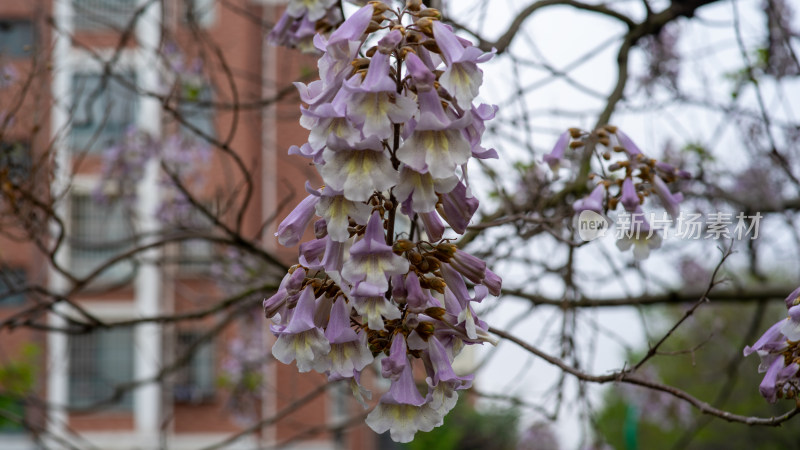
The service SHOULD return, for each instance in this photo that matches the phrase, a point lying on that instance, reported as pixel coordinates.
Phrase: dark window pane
(103, 108)
(194, 381)
(11, 280)
(99, 362)
(196, 109)
(16, 38)
(99, 232)
(103, 14)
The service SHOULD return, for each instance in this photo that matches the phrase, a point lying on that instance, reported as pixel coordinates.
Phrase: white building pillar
(57, 344)
(148, 283)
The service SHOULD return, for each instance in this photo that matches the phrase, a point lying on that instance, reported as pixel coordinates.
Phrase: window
(103, 108)
(194, 381)
(11, 280)
(196, 109)
(16, 38)
(103, 14)
(98, 363)
(15, 162)
(99, 232)
(200, 12)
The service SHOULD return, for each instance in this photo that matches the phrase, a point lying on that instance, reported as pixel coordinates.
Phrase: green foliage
(18, 377)
(716, 355)
(467, 428)
(17, 380)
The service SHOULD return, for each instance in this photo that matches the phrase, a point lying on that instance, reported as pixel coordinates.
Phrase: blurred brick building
(78, 75)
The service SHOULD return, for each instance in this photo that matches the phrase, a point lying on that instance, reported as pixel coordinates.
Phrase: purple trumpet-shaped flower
(592, 202)
(769, 346)
(371, 260)
(555, 159)
(349, 351)
(294, 225)
(443, 381)
(374, 104)
(417, 298)
(371, 303)
(474, 131)
(779, 351)
(471, 267)
(628, 145)
(323, 253)
(288, 290)
(337, 212)
(791, 326)
(436, 144)
(776, 377)
(422, 189)
(393, 366)
(775, 349)
(793, 299)
(301, 340)
(493, 282)
(640, 236)
(311, 9)
(340, 49)
(629, 198)
(402, 410)
(433, 225)
(458, 208)
(462, 78)
(671, 171)
(329, 126)
(358, 172)
(670, 201)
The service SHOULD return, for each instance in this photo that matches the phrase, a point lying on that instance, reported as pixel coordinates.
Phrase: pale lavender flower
(312, 9)
(458, 208)
(329, 127)
(291, 230)
(443, 381)
(402, 410)
(474, 131)
(394, 365)
(358, 172)
(288, 291)
(422, 188)
(592, 202)
(779, 353)
(555, 159)
(436, 144)
(640, 236)
(371, 303)
(493, 282)
(301, 340)
(628, 145)
(349, 352)
(629, 198)
(462, 78)
(433, 225)
(337, 210)
(670, 201)
(374, 104)
(371, 260)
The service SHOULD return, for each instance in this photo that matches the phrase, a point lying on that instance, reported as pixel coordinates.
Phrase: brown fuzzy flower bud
(402, 245)
(414, 5)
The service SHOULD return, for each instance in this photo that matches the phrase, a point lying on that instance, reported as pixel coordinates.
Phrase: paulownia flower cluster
(392, 127)
(627, 181)
(779, 349)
